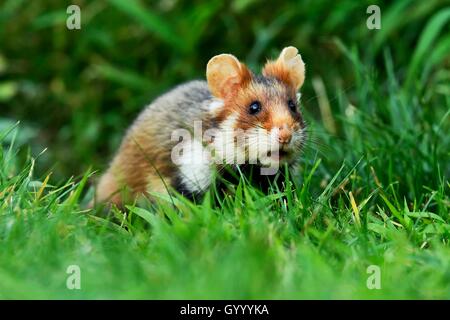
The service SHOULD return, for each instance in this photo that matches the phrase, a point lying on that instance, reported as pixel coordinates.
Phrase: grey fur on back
(179, 107)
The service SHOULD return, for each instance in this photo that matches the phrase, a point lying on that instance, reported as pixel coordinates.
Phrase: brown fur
(288, 68)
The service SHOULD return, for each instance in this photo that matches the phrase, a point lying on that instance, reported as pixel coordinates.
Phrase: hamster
(186, 136)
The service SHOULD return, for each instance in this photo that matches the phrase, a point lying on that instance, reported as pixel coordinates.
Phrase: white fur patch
(215, 106)
(195, 167)
(225, 148)
(260, 142)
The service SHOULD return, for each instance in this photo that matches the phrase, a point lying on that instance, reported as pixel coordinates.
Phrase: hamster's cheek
(298, 138)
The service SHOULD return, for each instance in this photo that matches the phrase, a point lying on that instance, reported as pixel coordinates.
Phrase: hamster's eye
(292, 105)
(254, 107)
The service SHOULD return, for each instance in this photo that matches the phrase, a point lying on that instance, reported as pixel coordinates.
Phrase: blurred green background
(76, 91)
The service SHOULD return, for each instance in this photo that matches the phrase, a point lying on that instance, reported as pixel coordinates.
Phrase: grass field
(372, 190)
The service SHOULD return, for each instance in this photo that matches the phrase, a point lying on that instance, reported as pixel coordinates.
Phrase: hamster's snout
(284, 136)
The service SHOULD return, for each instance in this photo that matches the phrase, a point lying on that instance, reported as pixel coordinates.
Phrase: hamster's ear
(225, 75)
(288, 68)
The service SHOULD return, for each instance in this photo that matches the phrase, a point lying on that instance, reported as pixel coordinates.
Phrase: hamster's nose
(284, 136)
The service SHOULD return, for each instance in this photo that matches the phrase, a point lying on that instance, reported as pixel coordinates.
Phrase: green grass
(310, 243)
(373, 187)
